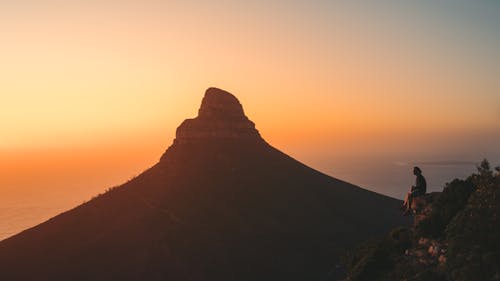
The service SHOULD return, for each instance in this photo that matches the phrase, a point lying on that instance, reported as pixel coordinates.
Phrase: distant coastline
(447, 163)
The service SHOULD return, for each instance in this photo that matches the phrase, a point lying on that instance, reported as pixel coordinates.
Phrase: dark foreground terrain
(455, 237)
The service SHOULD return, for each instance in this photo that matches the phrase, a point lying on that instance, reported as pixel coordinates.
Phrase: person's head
(417, 171)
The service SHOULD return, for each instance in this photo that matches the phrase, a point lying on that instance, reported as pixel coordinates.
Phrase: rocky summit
(220, 117)
(221, 204)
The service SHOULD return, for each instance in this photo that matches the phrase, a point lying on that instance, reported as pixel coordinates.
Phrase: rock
(423, 261)
(220, 117)
(422, 206)
(442, 259)
(433, 250)
(423, 241)
(218, 103)
(430, 250)
(419, 253)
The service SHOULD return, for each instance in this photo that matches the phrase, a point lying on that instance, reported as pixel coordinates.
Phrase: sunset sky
(91, 92)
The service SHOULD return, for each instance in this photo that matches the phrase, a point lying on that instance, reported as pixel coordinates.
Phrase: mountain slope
(221, 204)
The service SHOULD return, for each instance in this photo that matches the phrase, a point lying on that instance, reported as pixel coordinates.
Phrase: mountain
(221, 204)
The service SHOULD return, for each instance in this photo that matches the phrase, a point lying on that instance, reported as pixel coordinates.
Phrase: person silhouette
(416, 190)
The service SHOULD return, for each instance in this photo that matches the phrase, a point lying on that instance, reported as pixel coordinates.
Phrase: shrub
(453, 198)
(374, 259)
(474, 234)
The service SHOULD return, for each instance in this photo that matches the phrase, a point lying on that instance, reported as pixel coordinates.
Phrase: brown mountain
(221, 204)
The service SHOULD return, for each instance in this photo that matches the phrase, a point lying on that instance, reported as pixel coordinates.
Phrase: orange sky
(95, 91)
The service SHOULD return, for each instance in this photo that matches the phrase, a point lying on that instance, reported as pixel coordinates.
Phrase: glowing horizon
(324, 80)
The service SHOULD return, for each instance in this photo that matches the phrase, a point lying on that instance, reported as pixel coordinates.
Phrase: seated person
(418, 189)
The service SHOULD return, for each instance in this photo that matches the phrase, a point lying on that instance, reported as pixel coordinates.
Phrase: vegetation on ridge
(459, 240)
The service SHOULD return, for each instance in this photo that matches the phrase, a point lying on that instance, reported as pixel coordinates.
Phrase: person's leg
(410, 198)
(405, 202)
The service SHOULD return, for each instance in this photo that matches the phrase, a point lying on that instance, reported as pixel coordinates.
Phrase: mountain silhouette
(221, 204)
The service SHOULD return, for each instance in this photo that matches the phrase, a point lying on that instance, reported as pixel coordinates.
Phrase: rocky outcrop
(427, 252)
(422, 206)
(220, 117)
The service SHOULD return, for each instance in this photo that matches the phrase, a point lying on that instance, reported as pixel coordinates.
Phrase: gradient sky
(91, 92)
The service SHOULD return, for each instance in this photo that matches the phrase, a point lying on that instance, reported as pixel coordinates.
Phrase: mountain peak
(219, 103)
(220, 117)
